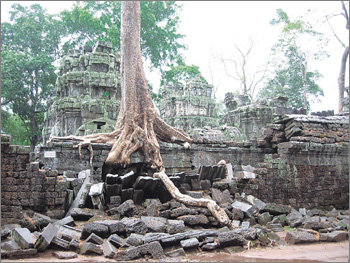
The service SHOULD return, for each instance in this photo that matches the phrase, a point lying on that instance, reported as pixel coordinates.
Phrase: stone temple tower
(87, 95)
(188, 106)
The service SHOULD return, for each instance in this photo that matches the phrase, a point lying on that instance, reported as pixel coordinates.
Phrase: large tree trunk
(341, 79)
(138, 124)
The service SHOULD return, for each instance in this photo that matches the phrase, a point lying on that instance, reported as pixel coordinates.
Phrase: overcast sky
(213, 28)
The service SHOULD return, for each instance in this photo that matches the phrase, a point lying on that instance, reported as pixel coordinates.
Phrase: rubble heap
(189, 106)
(87, 93)
(171, 230)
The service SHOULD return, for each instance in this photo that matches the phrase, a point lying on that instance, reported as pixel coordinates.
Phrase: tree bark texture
(341, 79)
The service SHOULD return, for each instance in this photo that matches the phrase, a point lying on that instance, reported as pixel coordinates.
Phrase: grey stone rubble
(129, 238)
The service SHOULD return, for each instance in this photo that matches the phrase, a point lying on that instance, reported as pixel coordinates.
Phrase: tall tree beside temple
(89, 21)
(292, 76)
(30, 43)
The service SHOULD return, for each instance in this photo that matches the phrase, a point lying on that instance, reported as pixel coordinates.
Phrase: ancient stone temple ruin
(188, 106)
(290, 170)
(250, 118)
(87, 93)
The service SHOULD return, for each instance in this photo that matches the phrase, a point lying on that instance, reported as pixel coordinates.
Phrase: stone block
(135, 240)
(70, 174)
(127, 208)
(68, 233)
(315, 223)
(173, 239)
(233, 249)
(69, 221)
(260, 205)
(23, 238)
(90, 248)
(109, 251)
(115, 240)
(22, 253)
(155, 224)
(245, 224)
(65, 254)
(276, 209)
(297, 237)
(275, 227)
(153, 248)
(205, 172)
(230, 238)
(113, 190)
(205, 184)
(28, 222)
(195, 194)
(74, 244)
(96, 189)
(95, 239)
(180, 252)
(247, 209)
(115, 200)
(114, 226)
(294, 219)
(335, 236)
(189, 243)
(128, 179)
(46, 237)
(138, 196)
(190, 177)
(60, 243)
(98, 229)
(180, 211)
(84, 174)
(83, 214)
(194, 220)
(150, 237)
(195, 184)
(221, 197)
(112, 178)
(220, 185)
(5, 233)
(134, 225)
(264, 218)
(10, 245)
(210, 246)
(236, 223)
(127, 194)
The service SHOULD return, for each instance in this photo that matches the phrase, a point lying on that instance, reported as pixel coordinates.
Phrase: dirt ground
(317, 252)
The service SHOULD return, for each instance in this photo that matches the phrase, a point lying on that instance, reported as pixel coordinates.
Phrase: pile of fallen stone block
(170, 229)
(121, 187)
(302, 128)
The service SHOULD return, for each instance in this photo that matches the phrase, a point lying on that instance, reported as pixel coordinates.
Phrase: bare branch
(335, 34)
(227, 71)
(345, 14)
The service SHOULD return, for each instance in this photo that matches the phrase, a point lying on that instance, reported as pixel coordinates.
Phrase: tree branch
(345, 14)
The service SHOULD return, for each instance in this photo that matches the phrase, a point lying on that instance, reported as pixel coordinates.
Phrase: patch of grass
(288, 228)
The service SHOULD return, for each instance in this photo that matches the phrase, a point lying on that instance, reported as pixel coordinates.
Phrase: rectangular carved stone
(23, 237)
(46, 237)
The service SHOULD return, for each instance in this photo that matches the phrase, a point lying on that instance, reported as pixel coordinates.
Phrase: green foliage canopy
(292, 77)
(181, 74)
(29, 47)
(90, 21)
